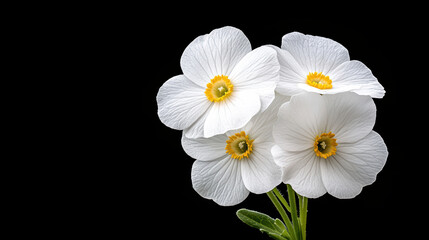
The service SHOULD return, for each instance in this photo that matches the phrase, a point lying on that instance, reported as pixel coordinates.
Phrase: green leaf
(275, 235)
(286, 234)
(263, 222)
(280, 224)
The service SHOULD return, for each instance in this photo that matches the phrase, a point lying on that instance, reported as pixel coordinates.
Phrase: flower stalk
(292, 201)
(292, 228)
(303, 215)
(281, 198)
(281, 210)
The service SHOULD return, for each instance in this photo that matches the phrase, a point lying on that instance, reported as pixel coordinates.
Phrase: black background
(91, 158)
(381, 42)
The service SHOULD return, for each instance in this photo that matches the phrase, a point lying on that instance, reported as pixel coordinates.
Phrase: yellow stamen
(325, 145)
(239, 145)
(218, 88)
(318, 80)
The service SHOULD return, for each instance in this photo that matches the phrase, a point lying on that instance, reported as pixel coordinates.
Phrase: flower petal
(231, 113)
(356, 73)
(350, 116)
(260, 127)
(290, 74)
(196, 130)
(301, 170)
(219, 180)
(214, 54)
(354, 166)
(180, 102)
(260, 173)
(205, 148)
(334, 90)
(313, 53)
(257, 72)
(300, 121)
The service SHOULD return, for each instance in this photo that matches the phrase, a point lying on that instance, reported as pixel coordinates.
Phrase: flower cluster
(301, 114)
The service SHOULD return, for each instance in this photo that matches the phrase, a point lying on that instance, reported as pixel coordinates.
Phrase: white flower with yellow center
(317, 64)
(326, 144)
(231, 165)
(224, 84)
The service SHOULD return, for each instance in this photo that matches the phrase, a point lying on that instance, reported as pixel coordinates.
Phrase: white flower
(224, 84)
(316, 64)
(326, 144)
(230, 165)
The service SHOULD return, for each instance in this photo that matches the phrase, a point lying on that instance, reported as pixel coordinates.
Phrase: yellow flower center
(318, 80)
(239, 145)
(218, 88)
(325, 145)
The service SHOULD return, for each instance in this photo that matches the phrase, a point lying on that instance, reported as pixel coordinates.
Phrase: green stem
(300, 211)
(303, 217)
(300, 206)
(281, 198)
(292, 201)
(282, 212)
